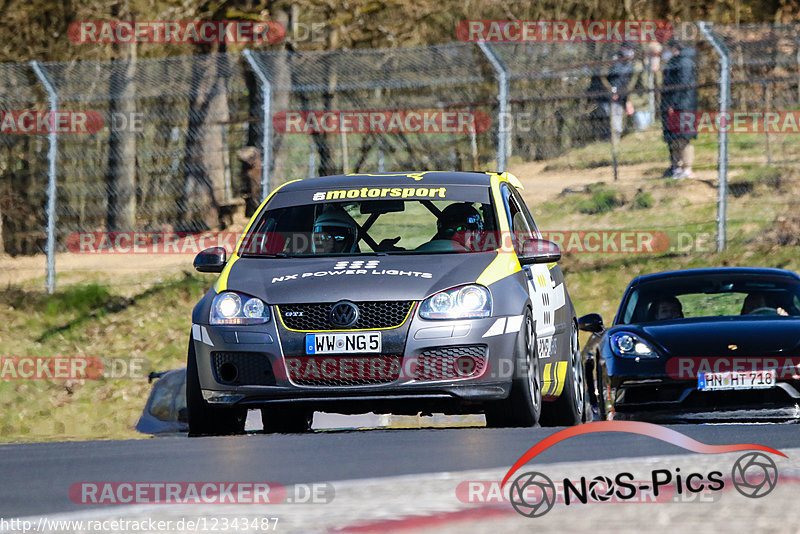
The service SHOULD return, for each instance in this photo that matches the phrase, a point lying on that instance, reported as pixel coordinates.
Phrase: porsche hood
(359, 278)
(753, 336)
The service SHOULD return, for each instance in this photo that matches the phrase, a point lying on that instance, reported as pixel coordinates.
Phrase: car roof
(755, 271)
(392, 179)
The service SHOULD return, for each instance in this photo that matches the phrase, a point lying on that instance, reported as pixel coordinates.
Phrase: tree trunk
(204, 169)
(281, 100)
(121, 171)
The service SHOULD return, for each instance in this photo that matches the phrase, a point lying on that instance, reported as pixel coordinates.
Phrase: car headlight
(630, 345)
(466, 302)
(235, 308)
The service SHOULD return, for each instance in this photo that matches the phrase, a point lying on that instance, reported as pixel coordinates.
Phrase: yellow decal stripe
(547, 380)
(417, 176)
(561, 377)
(347, 330)
(510, 178)
(222, 282)
(554, 377)
(505, 264)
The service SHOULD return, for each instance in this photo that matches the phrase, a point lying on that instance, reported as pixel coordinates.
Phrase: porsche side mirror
(591, 323)
(539, 251)
(211, 260)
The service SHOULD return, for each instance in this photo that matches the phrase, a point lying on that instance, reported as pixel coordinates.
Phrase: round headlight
(228, 306)
(471, 298)
(625, 343)
(441, 302)
(254, 308)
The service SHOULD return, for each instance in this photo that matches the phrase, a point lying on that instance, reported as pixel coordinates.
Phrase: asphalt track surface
(35, 478)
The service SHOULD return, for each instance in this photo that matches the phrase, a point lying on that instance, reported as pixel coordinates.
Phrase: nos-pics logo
(533, 494)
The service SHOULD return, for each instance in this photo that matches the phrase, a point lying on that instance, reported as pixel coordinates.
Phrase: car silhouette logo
(343, 314)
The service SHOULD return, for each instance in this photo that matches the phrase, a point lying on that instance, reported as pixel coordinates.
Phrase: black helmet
(459, 218)
(334, 232)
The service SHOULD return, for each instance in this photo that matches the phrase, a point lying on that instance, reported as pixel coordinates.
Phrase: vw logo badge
(343, 314)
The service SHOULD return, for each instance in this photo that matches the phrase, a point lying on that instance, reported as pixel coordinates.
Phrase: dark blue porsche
(699, 344)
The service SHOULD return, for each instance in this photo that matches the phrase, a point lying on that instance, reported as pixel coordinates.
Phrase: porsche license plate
(761, 379)
(343, 343)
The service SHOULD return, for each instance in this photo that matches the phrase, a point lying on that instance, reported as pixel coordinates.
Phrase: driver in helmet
(462, 224)
(334, 232)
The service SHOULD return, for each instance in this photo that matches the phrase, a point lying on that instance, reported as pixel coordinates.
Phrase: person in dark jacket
(618, 83)
(679, 94)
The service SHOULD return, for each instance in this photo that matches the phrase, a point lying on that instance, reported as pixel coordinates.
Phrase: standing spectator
(619, 82)
(679, 94)
(647, 76)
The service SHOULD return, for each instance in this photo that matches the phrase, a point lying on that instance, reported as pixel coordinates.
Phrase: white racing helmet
(334, 232)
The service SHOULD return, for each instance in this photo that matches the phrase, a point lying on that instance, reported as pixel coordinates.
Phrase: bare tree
(121, 171)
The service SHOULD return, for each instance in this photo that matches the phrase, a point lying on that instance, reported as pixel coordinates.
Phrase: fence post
(502, 98)
(52, 156)
(266, 118)
(724, 100)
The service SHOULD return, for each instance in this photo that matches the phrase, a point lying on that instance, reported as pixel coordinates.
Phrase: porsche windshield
(712, 296)
(399, 226)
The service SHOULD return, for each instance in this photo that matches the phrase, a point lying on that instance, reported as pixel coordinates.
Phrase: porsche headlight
(630, 345)
(466, 302)
(235, 308)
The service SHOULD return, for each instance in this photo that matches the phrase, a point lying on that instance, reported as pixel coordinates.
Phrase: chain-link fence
(181, 142)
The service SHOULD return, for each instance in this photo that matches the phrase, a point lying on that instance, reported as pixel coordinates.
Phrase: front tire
(205, 419)
(568, 409)
(523, 406)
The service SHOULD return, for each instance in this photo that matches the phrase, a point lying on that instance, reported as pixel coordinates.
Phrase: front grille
(443, 363)
(344, 370)
(370, 315)
(242, 368)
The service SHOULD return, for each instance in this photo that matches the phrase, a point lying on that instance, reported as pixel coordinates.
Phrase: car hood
(358, 278)
(752, 336)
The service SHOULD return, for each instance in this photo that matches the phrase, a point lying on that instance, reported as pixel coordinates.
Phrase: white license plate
(344, 343)
(761, 379)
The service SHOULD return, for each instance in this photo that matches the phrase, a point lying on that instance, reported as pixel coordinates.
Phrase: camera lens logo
(532, 494)
(754, 475)
(601, 489)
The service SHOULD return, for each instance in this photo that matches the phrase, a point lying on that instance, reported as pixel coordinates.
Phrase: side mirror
(211, 260)
(591, 323)
(539, 251)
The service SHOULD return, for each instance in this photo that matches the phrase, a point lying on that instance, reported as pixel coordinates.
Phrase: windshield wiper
(277, 255)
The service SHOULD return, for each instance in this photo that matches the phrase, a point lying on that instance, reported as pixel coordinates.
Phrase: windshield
(712, 296)
(393, 226)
